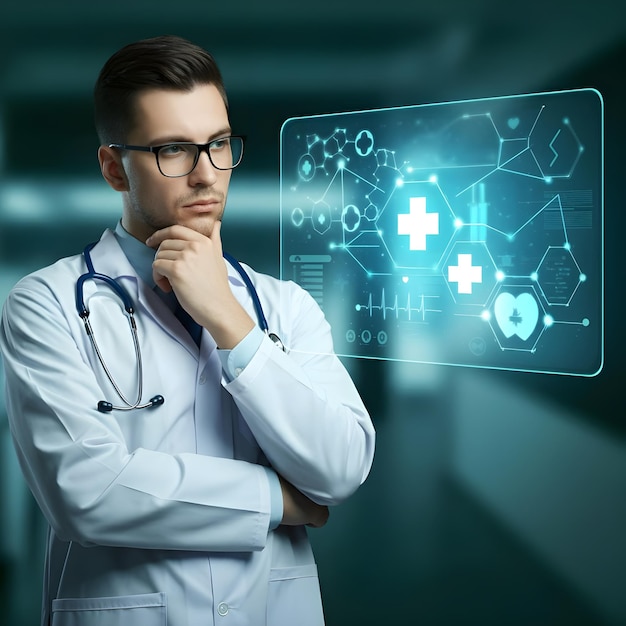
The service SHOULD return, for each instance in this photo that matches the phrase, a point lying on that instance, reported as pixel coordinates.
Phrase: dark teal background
(496, 498)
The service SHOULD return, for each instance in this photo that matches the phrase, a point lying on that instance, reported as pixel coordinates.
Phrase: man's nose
(204, 172)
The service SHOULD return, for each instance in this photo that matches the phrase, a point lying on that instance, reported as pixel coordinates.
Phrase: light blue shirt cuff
(236, 360)
(276, 499)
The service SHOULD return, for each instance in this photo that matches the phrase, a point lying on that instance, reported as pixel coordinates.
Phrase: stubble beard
(151, 223)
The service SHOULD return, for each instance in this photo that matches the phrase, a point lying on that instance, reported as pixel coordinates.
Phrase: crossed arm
(95, 490)
(186, 262)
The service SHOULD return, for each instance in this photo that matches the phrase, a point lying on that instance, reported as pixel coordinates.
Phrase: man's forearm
(298, 510)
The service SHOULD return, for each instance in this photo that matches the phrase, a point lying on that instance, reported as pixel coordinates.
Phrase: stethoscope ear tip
(107, 407)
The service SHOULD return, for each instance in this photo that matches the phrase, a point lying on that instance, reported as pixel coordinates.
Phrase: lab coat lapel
(109, 260)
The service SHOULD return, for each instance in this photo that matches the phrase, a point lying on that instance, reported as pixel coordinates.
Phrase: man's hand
(192, 265)
(298, 510)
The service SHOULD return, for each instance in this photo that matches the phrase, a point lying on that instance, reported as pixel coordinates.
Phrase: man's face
(197, 200)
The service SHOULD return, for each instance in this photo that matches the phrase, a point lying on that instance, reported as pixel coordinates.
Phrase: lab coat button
(222, 608)
(202, 379)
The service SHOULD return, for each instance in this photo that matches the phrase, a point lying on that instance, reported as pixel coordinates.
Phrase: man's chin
(201, 224)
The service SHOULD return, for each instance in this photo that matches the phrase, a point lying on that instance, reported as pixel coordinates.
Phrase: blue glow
(465, 233)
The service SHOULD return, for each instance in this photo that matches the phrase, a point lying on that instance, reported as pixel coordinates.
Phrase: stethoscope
(83, 312)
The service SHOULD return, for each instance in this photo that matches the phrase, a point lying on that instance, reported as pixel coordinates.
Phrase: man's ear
(112, 168)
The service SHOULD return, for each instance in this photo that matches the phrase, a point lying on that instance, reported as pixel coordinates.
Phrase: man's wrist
(235, 361)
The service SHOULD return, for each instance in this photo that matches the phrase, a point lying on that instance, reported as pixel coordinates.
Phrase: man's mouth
(200, 203)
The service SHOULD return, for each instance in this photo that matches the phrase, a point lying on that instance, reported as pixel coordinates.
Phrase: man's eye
(173, 149)
(218, 144)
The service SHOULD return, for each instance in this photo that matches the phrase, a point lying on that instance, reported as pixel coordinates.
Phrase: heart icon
(513, 122)
(516, 315)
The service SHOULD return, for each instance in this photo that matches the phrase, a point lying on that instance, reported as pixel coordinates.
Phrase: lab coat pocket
(147, 609)
(294, 597)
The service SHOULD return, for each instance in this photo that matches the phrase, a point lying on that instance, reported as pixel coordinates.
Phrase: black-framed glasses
(180, 158)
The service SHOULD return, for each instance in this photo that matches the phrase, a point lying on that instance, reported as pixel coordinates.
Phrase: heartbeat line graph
(413, 313)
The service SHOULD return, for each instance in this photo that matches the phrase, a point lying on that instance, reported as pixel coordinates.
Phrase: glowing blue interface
(464, 233)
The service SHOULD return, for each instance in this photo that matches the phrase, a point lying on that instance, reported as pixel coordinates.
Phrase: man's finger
(162, 282)
(171, 232)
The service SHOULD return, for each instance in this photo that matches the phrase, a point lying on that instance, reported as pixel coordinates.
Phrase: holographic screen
(464, 233)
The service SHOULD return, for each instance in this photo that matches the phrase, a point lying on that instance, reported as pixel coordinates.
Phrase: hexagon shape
(555, 146)
(469, 272)
(371, 212)
(517, 317)
(558, 275)
(416, 225)
(321, 217)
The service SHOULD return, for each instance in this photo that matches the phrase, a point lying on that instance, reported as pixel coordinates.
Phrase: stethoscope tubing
(256, 301)
(122, 293)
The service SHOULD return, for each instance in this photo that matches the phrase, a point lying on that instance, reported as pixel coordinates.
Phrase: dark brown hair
(165, 62)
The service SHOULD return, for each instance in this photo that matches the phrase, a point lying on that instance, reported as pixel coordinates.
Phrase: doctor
(194, 510)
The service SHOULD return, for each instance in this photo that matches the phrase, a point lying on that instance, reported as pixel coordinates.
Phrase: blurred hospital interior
(496, 497)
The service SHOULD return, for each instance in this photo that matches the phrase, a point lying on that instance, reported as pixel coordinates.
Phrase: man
(193, 510)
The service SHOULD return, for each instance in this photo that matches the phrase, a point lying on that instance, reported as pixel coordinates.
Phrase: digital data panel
(463, 233)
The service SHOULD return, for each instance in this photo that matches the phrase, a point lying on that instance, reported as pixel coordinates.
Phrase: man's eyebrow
(223, 132)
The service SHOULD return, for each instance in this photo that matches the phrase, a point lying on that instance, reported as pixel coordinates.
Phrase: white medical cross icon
(417, 224)
(465, 274)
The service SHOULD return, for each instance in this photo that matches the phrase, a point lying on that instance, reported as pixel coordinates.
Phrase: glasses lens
(226, 153)
(177, 159)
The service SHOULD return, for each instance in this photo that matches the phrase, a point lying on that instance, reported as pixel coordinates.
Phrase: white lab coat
(161, 516)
